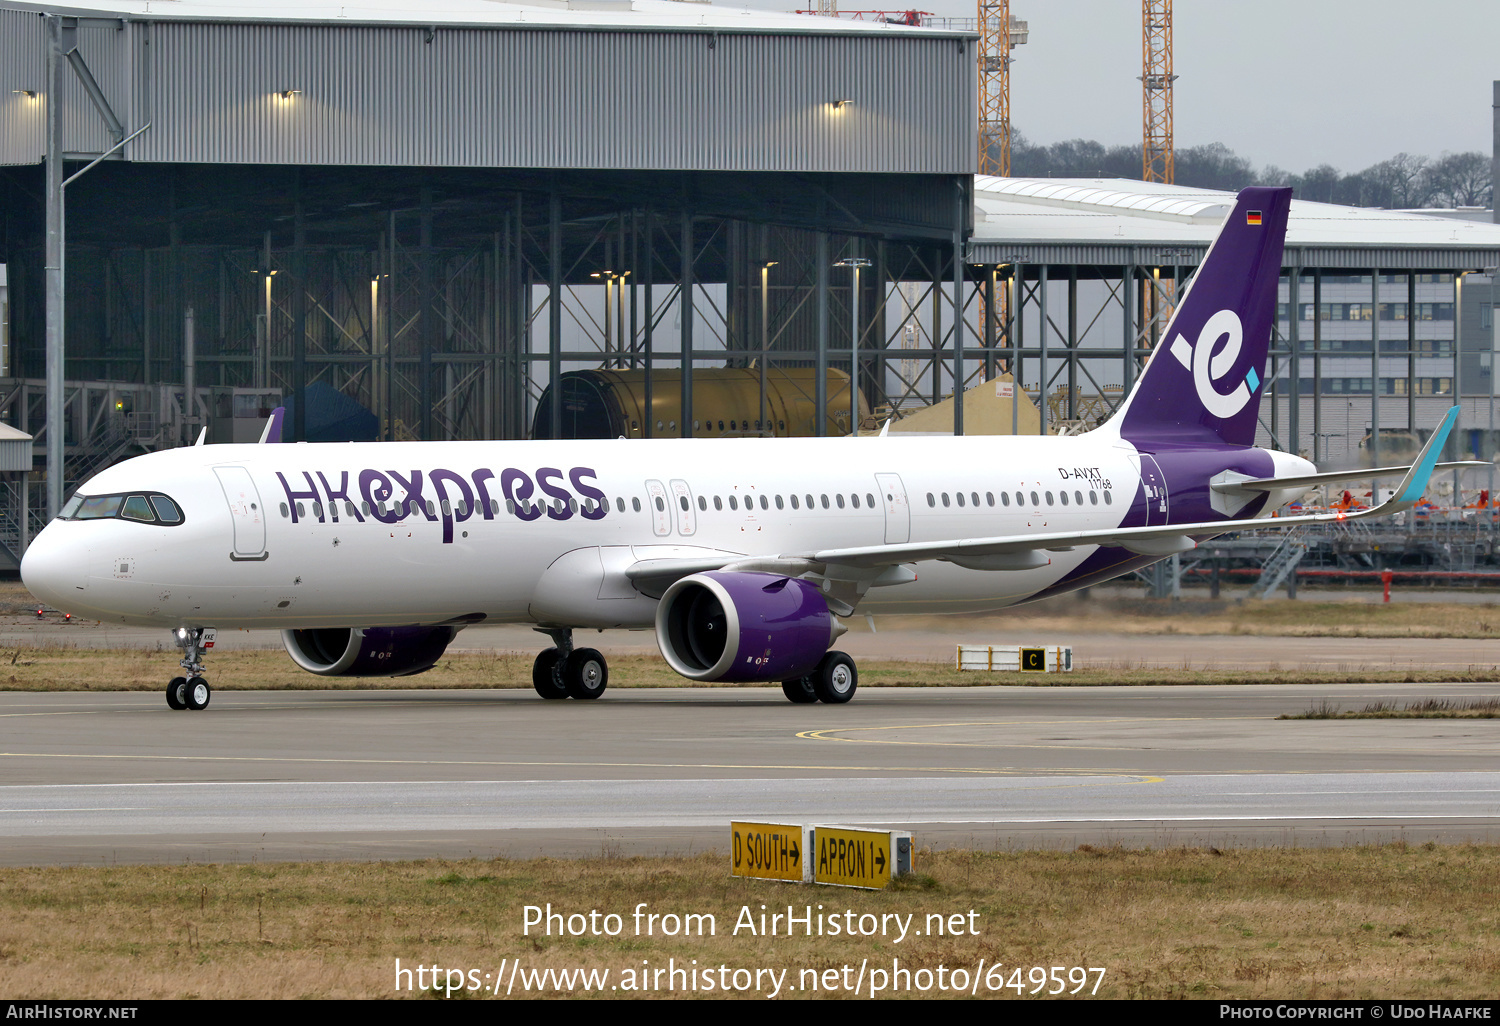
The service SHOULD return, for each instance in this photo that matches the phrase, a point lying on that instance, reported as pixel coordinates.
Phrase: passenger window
(1035, 501)
(1005, 498)
(1064, 497)
(447, 510)
(825, 502)
(810, 503)
(682, 500)
(765, 503)
(840, 500)
(733, 503)
(510, 506)
(702, 503)
(1107, 499)
(975, 497)
(718, 502)
(660, 506)
(870, 499)
(930, 500)
(1049, 498)
(960, 498)
(854, 500)
(945, 500)
(495, 507)
(636, 503)
(301, 511)
(620, 504)
(1078, 498)
(794, 502)
(989, 497)
(779, 503)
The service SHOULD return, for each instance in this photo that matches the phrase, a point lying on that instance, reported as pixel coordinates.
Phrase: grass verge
(1369, 922)
(1427, 709)
(53, 668)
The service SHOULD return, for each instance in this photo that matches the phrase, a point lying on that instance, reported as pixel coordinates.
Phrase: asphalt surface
(91, 778)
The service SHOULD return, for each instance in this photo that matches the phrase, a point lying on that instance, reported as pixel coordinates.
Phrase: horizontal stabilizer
(1272, 484)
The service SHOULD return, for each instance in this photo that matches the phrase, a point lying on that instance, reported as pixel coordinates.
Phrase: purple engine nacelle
(369, 651)
(744, 626)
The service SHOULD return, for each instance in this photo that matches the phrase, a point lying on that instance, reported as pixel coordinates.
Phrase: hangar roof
(1115, 221)
(591, 14)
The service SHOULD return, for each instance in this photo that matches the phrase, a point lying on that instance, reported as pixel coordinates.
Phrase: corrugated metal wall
(23, 120)
(472, 97)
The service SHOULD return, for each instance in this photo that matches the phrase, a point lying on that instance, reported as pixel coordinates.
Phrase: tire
(799, 691)
(177, 693)
(835, 680)
(197, 693)
(544, 675)
(586, 674)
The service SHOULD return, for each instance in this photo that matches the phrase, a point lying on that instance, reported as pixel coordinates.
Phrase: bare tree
(1461, 180)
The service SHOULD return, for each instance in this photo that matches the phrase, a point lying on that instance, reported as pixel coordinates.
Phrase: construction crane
(1156, 91)
(998, 34)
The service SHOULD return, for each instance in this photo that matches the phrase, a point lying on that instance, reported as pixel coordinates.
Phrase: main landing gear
(192, 691)
(833, 681)
(568, 672)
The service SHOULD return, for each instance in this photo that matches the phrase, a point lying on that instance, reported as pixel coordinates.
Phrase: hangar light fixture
(30, 94)
(287, 94)
(839, 104)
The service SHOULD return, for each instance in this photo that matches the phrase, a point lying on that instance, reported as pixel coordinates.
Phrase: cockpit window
(146, 508)
(99, 507)
(137, 508)
(166, 509)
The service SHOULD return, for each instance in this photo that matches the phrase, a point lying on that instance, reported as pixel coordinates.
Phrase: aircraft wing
(879, 564)
(1155, 541)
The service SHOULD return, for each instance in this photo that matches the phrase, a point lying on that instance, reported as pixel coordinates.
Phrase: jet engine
(368, 651)
(732, 626)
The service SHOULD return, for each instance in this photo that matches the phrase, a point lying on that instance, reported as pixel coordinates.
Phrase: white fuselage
(246, 554)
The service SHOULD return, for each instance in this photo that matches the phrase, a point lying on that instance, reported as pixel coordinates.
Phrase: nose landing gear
(191, 692)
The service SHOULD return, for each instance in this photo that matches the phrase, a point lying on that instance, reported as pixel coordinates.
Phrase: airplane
(741, 554)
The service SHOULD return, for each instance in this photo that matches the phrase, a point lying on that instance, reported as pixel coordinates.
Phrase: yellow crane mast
(1156, 91)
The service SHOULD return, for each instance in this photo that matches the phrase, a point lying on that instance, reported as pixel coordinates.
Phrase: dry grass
(1386, 922)
(1359, 618)
(1425, 709)
(61, 668)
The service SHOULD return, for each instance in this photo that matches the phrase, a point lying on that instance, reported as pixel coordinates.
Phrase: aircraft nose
(50, 566)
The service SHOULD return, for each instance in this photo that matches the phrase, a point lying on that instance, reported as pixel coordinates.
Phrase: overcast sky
(1294, 83)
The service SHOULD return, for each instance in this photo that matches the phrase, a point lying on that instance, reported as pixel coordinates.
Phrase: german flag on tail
(1252, 217)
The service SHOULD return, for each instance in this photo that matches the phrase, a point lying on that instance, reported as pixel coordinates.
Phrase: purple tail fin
(272, 433)
(1203, 383)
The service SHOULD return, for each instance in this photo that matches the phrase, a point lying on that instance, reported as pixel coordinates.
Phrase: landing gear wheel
(835, 679)
(799, 690)
(177, 693)
(197, 693)
(544, 675)
(586, 674)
